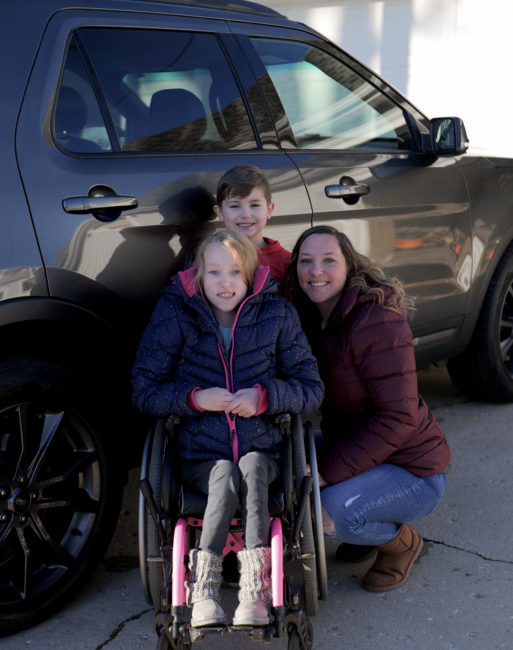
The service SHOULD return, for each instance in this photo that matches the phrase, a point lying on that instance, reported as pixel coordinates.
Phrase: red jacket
(275, 257)
(372, 412)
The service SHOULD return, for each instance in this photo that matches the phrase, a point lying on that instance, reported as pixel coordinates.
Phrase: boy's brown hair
(240, 181)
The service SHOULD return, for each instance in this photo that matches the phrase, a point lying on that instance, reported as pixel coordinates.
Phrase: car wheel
(485, 369)
(60, 492)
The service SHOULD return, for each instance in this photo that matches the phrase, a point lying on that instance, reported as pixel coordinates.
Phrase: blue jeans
(369, 509)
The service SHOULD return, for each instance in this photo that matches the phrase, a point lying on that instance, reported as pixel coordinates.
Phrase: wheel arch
(71, 336)
(56, 330)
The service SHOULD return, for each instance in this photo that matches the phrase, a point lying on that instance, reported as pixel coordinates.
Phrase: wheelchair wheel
(163, 643)
(307, 543)
(320, 550)
(294, 641)
(151, 566)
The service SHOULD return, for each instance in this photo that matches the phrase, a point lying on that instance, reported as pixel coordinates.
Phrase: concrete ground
(459, 595)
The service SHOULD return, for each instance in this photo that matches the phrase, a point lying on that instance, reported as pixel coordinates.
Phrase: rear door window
(136, 90)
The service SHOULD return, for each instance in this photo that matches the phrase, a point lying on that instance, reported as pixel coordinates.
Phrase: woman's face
(322, 271)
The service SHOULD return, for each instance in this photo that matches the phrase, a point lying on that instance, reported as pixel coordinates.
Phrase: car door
(128, 122)
(353, 142)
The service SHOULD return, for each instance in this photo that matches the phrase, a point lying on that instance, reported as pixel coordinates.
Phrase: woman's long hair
(388, 292)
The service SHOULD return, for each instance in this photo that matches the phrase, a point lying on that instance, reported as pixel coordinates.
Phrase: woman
(384, 459)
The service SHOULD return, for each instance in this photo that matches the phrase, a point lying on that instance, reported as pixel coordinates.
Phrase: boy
(244, 204)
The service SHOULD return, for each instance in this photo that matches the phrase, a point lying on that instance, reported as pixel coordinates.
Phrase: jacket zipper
(228, 373)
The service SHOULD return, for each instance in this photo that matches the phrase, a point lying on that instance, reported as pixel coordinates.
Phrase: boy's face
(246, 214)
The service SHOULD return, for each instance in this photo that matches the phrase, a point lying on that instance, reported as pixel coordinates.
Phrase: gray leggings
(229, 486)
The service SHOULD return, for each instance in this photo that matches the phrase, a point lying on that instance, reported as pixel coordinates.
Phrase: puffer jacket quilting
(372, 412)
(181, 349)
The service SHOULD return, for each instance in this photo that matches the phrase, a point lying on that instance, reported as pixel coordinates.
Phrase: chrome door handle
(101, 201)
(86, 204)
(346, 189)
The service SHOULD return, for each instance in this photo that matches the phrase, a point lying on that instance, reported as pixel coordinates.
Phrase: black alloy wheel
(484, 370)
(59, 491)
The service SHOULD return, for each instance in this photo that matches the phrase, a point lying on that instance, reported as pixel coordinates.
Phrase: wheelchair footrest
(257, 633)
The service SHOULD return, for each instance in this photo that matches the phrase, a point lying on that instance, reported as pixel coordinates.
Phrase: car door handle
(86, 204)
(347, 188)
(102, 202)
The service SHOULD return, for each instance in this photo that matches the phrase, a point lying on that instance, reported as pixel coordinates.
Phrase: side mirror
(447, 136)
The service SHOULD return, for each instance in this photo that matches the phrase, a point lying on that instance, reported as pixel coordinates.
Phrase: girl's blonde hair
(239, 245)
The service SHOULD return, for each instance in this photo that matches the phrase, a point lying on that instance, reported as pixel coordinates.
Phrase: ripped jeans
(369, 509)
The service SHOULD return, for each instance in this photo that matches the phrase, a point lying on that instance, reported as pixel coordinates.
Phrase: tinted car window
(160, 90)
(328, 105)
(79, 124)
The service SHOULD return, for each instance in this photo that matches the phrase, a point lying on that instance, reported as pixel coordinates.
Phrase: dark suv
(117, 119)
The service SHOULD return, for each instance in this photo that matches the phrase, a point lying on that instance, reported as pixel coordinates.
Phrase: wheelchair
(170, 519)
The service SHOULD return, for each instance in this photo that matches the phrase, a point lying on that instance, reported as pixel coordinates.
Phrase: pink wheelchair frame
(166, 529)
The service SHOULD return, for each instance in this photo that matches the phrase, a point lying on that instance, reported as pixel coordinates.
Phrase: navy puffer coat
(181, 349)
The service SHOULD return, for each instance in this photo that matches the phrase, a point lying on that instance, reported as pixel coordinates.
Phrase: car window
(328, 104)
(154, 90)
(79, 124)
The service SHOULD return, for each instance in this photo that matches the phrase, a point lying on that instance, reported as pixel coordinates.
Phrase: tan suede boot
(394, 561)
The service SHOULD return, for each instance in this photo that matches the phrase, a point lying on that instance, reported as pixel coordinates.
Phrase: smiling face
(223, 282)
(322, 271)
(246, 214)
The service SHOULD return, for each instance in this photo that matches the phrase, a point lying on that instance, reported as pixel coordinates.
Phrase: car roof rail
(229, 5)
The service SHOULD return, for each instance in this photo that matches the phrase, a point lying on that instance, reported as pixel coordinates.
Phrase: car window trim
(98, 91)
(244, 73)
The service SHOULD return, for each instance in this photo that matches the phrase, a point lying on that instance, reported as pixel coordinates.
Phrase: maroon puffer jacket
(372, 412)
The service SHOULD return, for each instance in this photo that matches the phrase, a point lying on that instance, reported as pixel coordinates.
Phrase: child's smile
(223, 282)
(246, 214)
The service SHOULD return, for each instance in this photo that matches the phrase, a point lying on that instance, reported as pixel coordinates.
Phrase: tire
(162, 642)
(152, 572)
(307, 543)
(484, 370)
(60, 489)
(294, 639)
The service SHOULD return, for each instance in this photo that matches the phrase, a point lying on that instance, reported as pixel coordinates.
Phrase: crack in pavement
(118, 629)
(134, 617)
(466, 550)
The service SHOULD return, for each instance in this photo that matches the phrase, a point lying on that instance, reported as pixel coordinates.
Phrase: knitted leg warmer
(254, 586)
(203, 588)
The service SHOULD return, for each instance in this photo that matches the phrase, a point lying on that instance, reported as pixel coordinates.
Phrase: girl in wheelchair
(225, 353)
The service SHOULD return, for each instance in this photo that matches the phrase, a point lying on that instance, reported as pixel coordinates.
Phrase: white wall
(449, 57)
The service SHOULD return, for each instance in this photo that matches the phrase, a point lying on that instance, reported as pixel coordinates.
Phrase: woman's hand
(245, 402)
(213, 399)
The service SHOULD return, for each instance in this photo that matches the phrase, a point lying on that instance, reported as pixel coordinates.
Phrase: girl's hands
(213, 399)
(244, 402)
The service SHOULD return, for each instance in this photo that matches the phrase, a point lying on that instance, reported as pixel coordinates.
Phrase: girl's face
(223, 281)
(322, 271)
